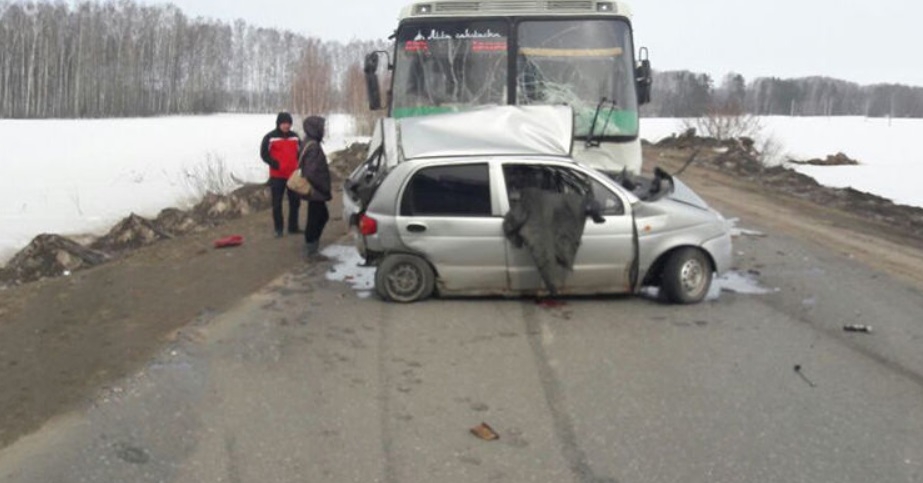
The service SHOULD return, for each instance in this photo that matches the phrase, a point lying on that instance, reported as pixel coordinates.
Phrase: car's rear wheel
(687, 276)
(404, 278)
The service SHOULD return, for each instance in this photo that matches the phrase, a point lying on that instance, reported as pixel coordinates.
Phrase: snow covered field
(77, 177)
(890, 156)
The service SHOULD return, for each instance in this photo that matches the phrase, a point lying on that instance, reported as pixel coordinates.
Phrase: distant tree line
(688, 94)
(120, 58)
(124, 59)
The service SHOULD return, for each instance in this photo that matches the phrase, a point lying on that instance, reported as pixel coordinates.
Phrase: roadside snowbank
(888, 150)
(76, 177)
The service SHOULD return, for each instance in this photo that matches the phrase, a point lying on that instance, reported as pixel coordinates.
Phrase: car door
(606, 252)
(448, 214)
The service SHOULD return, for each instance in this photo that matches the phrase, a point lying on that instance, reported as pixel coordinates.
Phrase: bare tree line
(120, 58)
(689, 94)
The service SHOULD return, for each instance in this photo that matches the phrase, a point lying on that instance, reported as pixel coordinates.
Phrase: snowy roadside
(80, 177)
(887, 149)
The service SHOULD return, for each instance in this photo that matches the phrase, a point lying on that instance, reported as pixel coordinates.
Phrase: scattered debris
(798, 370)
(865, 329)
(229, 241)
(485, 432)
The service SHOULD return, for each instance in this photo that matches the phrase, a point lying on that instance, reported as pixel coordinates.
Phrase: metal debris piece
(485, 432)
(798, 370)
(865, 329)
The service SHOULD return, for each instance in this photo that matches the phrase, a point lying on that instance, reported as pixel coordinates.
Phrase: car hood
(684, 194)
(495, 130)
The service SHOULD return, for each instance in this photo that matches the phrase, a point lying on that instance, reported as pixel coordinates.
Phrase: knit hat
(283, 118)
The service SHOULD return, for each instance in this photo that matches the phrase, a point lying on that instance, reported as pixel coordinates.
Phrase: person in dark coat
(315, 169)
(279, 150)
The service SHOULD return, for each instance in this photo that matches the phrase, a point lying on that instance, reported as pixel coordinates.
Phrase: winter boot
(311, 249)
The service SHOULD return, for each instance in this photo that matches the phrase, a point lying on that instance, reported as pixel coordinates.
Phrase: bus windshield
(450, 66)
(578, 63)
(457, 64)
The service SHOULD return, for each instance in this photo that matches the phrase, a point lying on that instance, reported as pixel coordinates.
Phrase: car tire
(687, 276)
(404, 279)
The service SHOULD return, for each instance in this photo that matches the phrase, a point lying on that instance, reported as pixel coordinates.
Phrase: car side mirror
(644, 78)
(371, 81)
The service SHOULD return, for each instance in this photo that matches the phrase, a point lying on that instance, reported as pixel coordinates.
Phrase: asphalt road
(306, 381)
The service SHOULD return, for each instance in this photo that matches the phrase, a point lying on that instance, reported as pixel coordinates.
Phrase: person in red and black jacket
(279, 149)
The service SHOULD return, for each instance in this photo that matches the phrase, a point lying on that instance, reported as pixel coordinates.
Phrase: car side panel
(467, 253)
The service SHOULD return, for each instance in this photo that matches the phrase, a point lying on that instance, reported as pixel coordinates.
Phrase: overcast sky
(860, 41)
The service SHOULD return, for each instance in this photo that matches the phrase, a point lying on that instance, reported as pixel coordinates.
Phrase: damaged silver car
(489, 202)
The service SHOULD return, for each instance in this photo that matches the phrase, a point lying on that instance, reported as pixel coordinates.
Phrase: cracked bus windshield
(579, 62)
(450, 66)
(447, 66)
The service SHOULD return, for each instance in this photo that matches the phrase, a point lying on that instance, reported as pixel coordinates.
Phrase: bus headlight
(422, 8)
(605, 7)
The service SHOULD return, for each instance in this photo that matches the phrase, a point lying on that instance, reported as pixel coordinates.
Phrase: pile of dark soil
(49, 256)
(344, 162)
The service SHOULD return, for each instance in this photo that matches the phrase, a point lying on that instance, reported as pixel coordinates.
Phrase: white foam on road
(348, 269)
(744, 283)
(738, 282)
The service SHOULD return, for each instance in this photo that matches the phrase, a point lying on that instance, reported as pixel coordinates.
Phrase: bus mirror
(644, 78)
(371, 81)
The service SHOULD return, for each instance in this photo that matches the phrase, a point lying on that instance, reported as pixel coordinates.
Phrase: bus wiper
(591, 140)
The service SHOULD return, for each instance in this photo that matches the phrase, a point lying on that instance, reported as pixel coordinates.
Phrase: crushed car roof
(490, 131)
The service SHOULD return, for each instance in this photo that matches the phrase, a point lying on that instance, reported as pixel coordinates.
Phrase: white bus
(452, 55)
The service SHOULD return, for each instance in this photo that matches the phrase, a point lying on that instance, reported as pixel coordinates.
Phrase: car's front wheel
(687, 276)
(404, 278)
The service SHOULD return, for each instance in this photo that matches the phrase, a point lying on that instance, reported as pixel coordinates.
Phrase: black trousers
(317, 220)
(277, 186)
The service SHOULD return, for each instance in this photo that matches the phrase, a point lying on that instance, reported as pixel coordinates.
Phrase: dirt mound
(214, 208)
(689, 139)
(176, 222)
(838, 159)
(345, 161)
(132, 232)
(50, 256)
